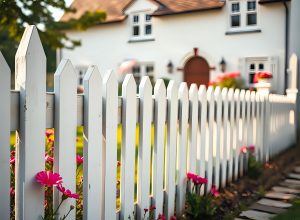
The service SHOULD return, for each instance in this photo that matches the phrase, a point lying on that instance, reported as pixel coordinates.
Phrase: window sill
(135, 40)
(232, 32)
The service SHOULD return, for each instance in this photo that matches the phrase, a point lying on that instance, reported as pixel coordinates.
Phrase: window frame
(142, 23)
(143, 71)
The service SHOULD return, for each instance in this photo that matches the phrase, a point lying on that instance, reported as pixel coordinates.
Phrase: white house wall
(175, 37)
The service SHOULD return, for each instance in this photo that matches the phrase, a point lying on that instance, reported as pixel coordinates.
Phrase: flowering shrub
(228, 80)
(262, 75)
(200, 207)
(254, 167)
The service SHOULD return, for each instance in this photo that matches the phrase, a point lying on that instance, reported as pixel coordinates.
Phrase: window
(242, 14)
(254, 67)
(141, 26)
(81, 70)
(143, 69)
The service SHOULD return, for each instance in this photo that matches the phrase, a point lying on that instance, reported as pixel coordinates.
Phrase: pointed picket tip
(109, 77)
(242, 94)
(159, 88)
(92, 74)
(217, 92)
(224, 91)
(145, 84)
(202, 89)
(230, 93)
(4, 66)
(65, 69)
(247, 95)
(183, 90)
(193, 88)
(128, 84)
(210, 92)
(172, 86)
(237, 94)
(30, 43)
(253, 95)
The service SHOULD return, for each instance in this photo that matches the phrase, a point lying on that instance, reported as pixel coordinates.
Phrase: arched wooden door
(196, 70)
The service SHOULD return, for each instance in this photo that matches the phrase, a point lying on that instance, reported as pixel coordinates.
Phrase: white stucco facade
(175, 36)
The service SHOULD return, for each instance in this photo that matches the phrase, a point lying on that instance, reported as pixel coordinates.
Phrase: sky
(58, 13)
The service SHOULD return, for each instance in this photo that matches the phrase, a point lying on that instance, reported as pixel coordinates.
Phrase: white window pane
(136, 19)
(235, 21)
(251, 6)
(251, 19)
(235, 7)
(148, 29)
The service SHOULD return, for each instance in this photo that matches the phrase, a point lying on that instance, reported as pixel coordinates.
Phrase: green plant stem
(55, 213)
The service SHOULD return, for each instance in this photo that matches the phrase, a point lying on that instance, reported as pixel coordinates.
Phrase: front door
(196, 70)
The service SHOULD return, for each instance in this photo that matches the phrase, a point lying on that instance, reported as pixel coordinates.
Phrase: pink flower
(67, 193)
(201, 180)
(232, 74)
(191, 176)
(49, 132)
(47, 178)
(161, 216)
(12, 157)
(251, 148)
(12, 191)
(244, 150)
(214, 191)
(49, 159)
(173, 218)
(79, 159)
(264, 75)
(146, 210)
(152, 208)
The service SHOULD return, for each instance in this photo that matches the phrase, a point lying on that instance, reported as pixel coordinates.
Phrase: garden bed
(237, 196)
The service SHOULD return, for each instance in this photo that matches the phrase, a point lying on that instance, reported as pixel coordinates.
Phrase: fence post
(93, 197)
(65, 88)
(4, 138)
(172, 118)
(31, 82)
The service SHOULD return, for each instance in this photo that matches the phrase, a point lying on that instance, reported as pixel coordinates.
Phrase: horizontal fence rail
(180, 130)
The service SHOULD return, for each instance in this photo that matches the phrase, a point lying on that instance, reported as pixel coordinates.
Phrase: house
(185, 40)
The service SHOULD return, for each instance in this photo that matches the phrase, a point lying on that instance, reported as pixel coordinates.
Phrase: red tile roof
(115, 8)
(272, 1)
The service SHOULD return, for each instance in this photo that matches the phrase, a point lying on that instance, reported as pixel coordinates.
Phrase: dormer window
(141, 26)
(242, 15)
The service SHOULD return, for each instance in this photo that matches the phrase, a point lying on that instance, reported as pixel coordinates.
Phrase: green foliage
(228, 80)
(200, 207)
(292, 213)
(255, 167)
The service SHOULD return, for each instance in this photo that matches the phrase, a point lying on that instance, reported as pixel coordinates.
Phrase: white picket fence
(195, 130)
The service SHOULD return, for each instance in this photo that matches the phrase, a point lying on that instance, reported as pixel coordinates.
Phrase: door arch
(196, 70)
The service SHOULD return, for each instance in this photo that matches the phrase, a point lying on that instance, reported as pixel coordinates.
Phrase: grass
(292, 213)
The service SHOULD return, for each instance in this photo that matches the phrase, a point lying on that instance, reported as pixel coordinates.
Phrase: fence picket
(145, 119)
(109, 160)
(217, 136)
(92, 185)
(182, 147)
(247, 126)
(31, 82)
(232, 132)
(258, 127)
(210, 141)
(4, 138)
(193, 129)
(242, 122)
(237, 133)
(170, 170)
(128, 146)
(201, 151)
(225, 150)
(65, 132)
(158, 150)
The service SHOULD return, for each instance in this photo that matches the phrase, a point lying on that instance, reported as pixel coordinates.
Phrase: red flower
(161, 216)
(67, 193)
(173, 218)
(47, 178)
(79, 160)
(201, 180)
(244, 150)
(146, 210)
(191, 176)
(251, 148)
(232, 74)
(214, 191)
(12, 157)
(152, 208)
(49, 132)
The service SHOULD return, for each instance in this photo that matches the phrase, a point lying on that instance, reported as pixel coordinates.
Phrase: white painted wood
(128, 146)
(109, 160)
(193, 129)
(218, 136)
(253, 122)
(201, 146)
(158, 150)
(247, 132)
(31, 82)
(146, 111)
(170, 157)
(237, 133)
(65, 132)
(242, 128)
(210, 141)
(182, 147)
(225, 146)
(231, 136)
(4, 138)
(267, 129)
(92, 165)
(258, 127)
